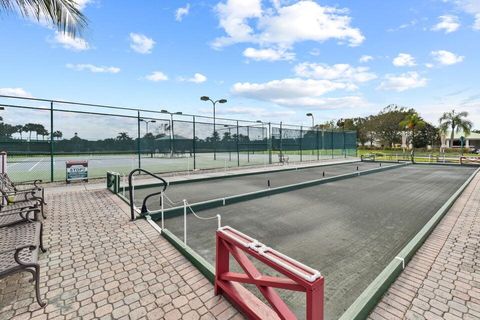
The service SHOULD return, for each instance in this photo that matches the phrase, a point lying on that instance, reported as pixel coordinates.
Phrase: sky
(273, 60)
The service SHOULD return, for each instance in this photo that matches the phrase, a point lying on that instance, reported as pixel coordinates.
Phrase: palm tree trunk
(452, 135)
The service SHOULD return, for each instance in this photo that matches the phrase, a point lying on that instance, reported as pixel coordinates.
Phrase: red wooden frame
(475, 160)
(298, 277)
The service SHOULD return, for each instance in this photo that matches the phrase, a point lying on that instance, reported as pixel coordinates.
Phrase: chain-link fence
(41, 136)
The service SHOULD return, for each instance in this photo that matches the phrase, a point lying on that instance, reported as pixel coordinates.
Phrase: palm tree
(413, 122)
(19, 129)
(29, 127)
(64, 14)
(456, 122)
(57, 134)
(123, 136)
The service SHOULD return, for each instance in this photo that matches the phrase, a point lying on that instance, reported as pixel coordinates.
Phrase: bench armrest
(19, 248)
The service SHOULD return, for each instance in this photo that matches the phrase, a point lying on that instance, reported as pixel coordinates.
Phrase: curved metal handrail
(130, 191)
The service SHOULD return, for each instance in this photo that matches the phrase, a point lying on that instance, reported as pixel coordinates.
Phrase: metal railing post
(185, 221)
(138, 141)
(316, 144)
(194, 147)
(52, 175)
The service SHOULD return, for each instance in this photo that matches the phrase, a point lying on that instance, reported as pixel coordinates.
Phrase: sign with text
(76, 170)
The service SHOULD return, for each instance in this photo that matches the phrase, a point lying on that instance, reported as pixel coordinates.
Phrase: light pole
(172, 137)
(214, 102)
(146, 124)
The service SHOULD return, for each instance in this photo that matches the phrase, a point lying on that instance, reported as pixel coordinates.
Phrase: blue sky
(272, 60)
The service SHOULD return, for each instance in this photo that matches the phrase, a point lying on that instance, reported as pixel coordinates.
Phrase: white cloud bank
(404, 60)
(141, 43)
(157, 76)
(403, 82)
(17, 92)
(471, 7)
(446, 58)
(247, 21)
(268, 54)
(340, 72)
(365, 59)
(197, 78)
(182, 12)
(71, 43)
(447, 23)
(93, 68)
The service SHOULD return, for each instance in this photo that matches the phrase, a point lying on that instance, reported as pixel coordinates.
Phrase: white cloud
(81, 4)
(404, 60)
(476, 25)
(197, 78)
(17, 92)
(340, 72)
(471, 7)
(157, 76)
(141, 43)
(93, 68)
(253, 112)
(70, 43)
(447, 23)
(290, 92)
(283, 26)
(268, 54)
(446, 57)
(365, 59)
(182, 12)
(403, 82)
(326, 103)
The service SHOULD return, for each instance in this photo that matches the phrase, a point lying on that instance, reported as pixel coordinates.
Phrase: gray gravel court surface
(348, 229)
(228, 186)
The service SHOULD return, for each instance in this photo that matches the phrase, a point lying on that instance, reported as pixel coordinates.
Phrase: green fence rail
(41, 135)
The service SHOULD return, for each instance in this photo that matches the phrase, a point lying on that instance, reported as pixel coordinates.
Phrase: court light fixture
(204, 98)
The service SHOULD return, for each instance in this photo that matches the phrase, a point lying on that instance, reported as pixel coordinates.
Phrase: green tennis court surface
(348, 229)
(233, 185)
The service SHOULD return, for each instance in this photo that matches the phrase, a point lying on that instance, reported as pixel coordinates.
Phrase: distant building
(471, 141)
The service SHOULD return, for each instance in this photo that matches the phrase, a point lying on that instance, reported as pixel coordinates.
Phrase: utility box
(76, 170)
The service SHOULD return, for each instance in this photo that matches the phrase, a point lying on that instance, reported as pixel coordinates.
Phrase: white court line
(36, 164)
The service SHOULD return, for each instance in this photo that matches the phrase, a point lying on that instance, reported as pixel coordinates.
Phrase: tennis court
(348, 229)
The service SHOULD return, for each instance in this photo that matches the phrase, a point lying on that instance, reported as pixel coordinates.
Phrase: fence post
(269, 143)
(248, 143)
(194, 147)
(52, 177)
(301, 140)
(138, 140)
(238, 150)
(344, 144)
(281, 140)
(332, 144)
(316, 143)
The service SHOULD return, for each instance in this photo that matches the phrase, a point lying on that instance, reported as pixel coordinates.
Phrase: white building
(472, 140)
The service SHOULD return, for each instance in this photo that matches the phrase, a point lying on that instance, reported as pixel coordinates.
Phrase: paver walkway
(101, 265)
(442, 281)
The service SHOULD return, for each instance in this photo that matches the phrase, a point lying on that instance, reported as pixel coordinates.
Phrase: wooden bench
(20, 193)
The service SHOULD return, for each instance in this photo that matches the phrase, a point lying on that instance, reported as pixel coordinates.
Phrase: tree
(29, 127)
(426, 136)
(64, 14)
(456, 122)
(412, 122)
(123, 136)
(385, 124)
(57, 134)
(19, 129)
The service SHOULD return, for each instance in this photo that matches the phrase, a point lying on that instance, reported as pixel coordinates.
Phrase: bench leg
(37, 286)
(41, 239)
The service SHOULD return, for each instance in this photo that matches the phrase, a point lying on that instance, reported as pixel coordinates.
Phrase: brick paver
(101, 265)
(442, 281)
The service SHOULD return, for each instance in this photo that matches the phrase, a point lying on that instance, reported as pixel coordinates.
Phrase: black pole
(301, 140)
(51, 144)
(269, 143)
(214, 131)
(248, 145)
(138, 141)
(238, 151)
(332, 144)
(318, 147)
(194, 146)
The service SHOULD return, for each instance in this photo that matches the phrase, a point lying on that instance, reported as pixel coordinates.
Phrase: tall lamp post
(171, 129)
(214, 102)
(146, 123)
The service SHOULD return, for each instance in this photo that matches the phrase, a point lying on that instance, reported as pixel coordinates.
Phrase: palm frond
(64, 14)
